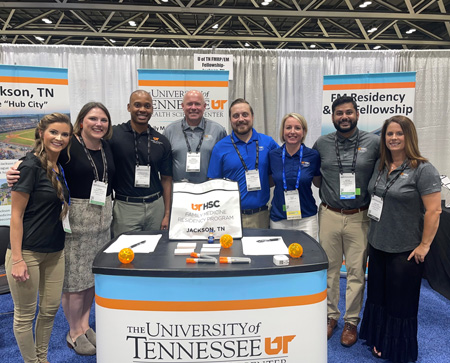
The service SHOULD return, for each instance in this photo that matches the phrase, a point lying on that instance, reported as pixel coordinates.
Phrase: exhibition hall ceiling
(258, 24)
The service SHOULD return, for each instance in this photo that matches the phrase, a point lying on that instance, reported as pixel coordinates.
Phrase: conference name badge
(347, 186)
(375, 208)
(142, 176)
(292, 203)
(252, 180)
(98, 193)
(193, 162)
(66, 224)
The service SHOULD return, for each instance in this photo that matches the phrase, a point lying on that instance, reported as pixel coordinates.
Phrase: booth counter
(160, 309)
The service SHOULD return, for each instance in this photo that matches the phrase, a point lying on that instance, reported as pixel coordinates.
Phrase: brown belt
(346, 211)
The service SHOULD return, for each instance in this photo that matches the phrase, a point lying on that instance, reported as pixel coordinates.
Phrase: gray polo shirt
(368, 153)
(214, 132)
(401, 224)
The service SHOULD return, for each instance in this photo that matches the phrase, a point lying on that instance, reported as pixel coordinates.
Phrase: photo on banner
(26, 95)
(379, 96)
(168, 86)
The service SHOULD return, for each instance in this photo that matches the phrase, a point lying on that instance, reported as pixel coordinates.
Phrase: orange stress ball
(226, 241)
(295, 250)
(126, 255)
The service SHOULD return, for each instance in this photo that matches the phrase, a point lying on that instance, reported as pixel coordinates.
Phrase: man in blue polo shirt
(243, 156)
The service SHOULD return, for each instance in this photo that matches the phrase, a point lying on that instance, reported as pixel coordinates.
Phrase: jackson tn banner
(168, 86)
(198, 209)
(379, 96)
(26, 94)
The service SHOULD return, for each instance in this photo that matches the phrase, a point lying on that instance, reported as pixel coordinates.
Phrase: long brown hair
(41, 153)
(85, 110)
(411, 142)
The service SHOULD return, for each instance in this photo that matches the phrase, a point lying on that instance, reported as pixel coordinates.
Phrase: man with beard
(244, 157)
(143, 158)
(348, 157)
(192, 139)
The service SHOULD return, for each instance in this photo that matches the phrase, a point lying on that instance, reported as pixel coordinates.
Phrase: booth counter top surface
(163, 263)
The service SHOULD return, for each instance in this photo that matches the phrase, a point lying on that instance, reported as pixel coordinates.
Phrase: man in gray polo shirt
(192, 139)
(348, 157)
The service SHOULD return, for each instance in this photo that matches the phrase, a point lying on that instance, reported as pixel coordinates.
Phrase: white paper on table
(126, 240)
(252, 248)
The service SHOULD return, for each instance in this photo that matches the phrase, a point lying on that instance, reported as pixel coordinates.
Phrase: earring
(81, 126)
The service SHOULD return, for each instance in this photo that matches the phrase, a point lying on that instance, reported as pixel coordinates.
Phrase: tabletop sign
(199, 208)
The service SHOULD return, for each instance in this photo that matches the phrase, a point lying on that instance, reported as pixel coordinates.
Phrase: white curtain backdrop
(274, 82)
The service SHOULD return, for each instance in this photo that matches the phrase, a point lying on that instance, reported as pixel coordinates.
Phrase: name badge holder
(292, 202)
(193, 158)
(142, 176)
(193, 162)
(252, 180)
(375, 208)
(347, 186)
(98, 193)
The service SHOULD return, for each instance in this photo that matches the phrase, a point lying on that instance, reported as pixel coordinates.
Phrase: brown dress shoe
(349, 335)
(331, 325)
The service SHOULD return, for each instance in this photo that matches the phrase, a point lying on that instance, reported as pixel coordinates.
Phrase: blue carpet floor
(434, 335)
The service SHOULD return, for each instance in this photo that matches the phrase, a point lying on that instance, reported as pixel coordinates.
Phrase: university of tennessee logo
(281, 344)
(207, 205)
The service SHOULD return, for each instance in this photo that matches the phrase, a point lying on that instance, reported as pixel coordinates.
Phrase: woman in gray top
(405, 208)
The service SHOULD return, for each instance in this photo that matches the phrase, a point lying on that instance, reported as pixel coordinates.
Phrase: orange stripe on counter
(183, 83)
(336, 87)
(210, 305)
(34, 80)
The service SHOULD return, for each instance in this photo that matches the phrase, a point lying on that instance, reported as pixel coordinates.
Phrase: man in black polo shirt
(143, 161)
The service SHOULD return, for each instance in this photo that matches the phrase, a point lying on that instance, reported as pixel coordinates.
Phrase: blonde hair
(300, 119)
(41, 153)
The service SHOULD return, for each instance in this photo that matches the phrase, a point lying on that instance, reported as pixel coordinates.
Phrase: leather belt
(346, 211)
(149, 199)
(253, 211)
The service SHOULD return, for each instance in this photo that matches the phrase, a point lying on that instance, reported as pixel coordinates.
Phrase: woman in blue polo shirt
(404, 212)
(294, 167)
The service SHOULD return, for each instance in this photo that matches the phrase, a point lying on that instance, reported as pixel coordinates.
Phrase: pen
(202, 255)
(137, 244)
(268, 239)
(235, 260)
(201, 260)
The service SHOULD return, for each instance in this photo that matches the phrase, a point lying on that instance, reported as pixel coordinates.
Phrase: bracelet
(14, 263)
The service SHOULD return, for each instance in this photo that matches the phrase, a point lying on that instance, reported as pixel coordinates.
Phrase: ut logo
(281, 343)
(218, 104)
(206, 205)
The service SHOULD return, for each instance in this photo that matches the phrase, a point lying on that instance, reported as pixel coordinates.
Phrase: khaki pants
(129, 217)
(46, 272)
(341, 234)
(256, 220)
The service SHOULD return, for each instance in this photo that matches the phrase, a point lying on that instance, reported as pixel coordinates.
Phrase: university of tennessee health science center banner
(168, 86)
(379, 96)
(26, 94)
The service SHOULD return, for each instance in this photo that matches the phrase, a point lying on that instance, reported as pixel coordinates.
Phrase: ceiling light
(246, 44)
(265, 3)
(46, 20)
(371, 30)
(39, 38)
(377, 47)
(410, 31)
(365, 4)
(165, 1)
(112, 40)
(215, 26)
(132, 23)
(312, 46)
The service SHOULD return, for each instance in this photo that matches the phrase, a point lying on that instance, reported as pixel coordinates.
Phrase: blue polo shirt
(309, 169)
(225, 163)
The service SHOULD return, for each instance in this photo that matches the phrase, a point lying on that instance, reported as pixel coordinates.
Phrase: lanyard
(148, 146)
(240, 156)
(299, 168)
(338, 155)
(64, 177)
(94, 167)
(391, 183)
(201, 138)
